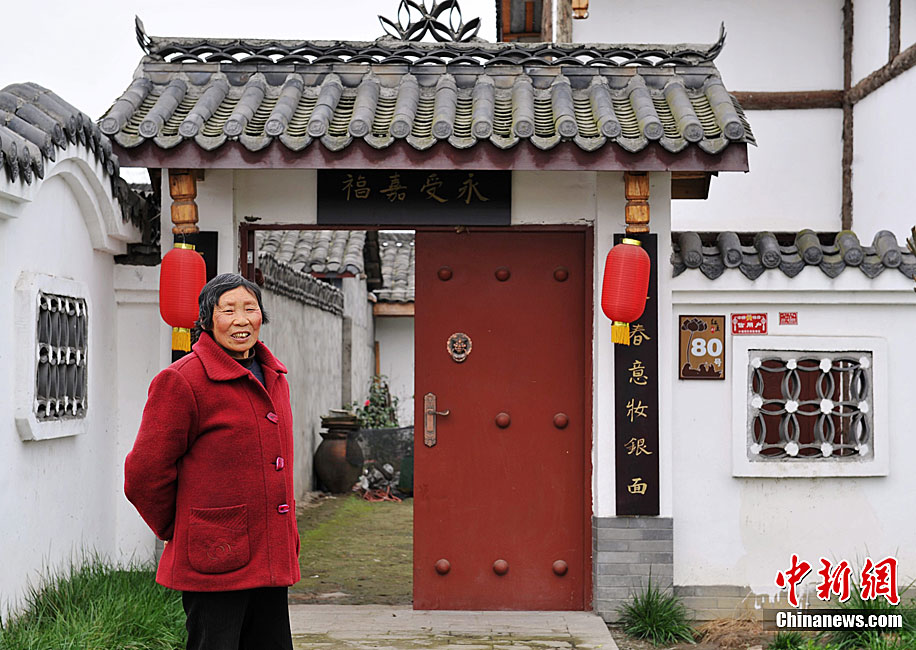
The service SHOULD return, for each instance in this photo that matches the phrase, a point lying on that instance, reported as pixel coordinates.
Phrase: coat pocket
(218, 539)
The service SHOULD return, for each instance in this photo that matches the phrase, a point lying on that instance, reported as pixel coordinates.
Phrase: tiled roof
(754, 253)
(334, 252)
(398, 264)
(255, 92)
(36, 124)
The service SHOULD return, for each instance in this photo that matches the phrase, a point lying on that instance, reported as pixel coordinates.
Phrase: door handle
(429, 426)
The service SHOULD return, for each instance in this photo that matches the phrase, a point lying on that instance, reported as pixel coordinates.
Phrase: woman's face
(237, 322)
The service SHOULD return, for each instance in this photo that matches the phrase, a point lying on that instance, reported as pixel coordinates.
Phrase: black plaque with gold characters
(702, 347)
(414, 197)
(636, 402)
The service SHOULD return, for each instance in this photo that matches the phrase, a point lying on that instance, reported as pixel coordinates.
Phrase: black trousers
(250, 619)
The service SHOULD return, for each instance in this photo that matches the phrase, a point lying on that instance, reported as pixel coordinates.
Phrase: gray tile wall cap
(714, 253)
(334, 252)
(398, 267)
(35, 124)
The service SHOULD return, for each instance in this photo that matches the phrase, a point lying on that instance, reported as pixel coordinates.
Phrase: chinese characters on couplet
(356, 187)
(638, 486)
(638, 334)
(876, 579)
(637, 446)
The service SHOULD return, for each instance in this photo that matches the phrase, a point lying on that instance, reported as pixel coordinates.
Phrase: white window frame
(742, 466)
(28, 286)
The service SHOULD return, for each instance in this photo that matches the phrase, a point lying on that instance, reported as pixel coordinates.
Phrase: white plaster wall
(277, 195)
(870, 37)
(137, 296)
(362, 337)
(795, 180)
(308, 341)
(907, 23)
(883, 189)
(553, 197)
(812, 30)
(57, 497)
(395, 337)
(742, 531)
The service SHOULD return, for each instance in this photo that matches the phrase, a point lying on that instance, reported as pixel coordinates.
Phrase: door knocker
(459, 346)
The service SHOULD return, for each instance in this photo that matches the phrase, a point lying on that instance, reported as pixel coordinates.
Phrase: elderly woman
(211, 474)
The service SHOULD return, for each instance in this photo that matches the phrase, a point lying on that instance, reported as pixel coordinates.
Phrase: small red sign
(749, 323)
(788, 318)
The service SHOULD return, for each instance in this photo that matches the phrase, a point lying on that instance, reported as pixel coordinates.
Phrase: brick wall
(627, 550)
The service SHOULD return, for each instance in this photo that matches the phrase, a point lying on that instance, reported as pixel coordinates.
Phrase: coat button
(283, 508)
(273, 417)
(280, 463)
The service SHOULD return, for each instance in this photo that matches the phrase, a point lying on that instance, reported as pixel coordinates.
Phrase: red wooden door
(506, 487)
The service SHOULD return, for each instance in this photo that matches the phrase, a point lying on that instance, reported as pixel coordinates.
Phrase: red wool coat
(211, 472)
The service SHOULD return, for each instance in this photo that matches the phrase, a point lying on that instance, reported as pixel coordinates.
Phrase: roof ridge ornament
(143, 38)
(417, 17)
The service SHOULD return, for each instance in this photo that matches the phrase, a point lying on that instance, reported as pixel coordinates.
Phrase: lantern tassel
(181, 339)
(620, 333)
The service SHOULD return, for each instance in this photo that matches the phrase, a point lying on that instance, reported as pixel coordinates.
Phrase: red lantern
(181, 277)
(626, 285)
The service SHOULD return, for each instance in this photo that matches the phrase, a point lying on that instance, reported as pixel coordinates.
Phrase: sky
(87, 52)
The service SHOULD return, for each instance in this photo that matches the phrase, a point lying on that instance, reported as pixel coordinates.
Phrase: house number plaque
(459, 346)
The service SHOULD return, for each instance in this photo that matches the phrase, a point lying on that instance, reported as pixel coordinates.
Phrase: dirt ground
(354, 552)
(360, 553)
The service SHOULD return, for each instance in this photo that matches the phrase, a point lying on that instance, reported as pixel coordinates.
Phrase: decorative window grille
(810, 405)
(63, 342)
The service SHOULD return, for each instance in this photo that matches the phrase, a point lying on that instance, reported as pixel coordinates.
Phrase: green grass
(97, 606)
(657, 616)
(356, 553)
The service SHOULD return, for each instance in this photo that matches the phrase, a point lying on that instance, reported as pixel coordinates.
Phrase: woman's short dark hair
(210, 295)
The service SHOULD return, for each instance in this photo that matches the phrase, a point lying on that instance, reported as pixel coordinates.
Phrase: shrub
(656, 615)
(381, 409)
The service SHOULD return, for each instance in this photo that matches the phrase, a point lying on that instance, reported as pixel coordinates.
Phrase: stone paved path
(379, 627)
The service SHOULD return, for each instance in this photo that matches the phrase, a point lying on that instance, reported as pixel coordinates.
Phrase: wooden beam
(848, 33)
(393, 309)
(901, 63)
(690, 185)
(564, 21)
(183, 190)
(566, 156)
(637, 193)
(547, 20)
(791, 100)
(893, 45)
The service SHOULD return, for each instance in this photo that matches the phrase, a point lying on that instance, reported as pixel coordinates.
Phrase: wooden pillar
(564, 21)
(637, 193)
(183, 190)
(547, 21)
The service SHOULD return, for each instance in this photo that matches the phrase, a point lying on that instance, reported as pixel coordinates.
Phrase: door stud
(503, 420)
(560, 420)
(500, 567)
(560, 567)
(443, 566)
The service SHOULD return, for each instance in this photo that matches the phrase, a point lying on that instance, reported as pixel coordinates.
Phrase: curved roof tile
(755, 253)
(212, 90)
